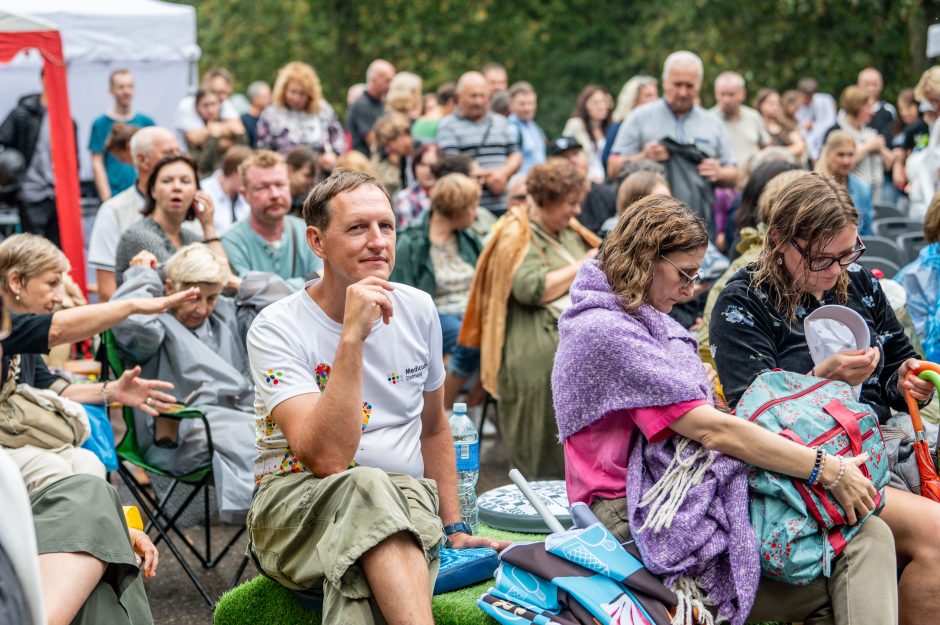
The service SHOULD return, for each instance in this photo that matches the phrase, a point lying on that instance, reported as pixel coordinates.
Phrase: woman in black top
(809, 260)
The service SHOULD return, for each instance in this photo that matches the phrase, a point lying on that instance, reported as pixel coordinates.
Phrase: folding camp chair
(165, 523)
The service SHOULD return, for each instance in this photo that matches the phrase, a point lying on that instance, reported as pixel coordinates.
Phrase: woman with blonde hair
(629, 389)
(922, 166)
(299, 115)
(404, 95)
(520, 289)
(199, 346)
(637, 91)
(32, 272)
(836, 160)
(809, 257)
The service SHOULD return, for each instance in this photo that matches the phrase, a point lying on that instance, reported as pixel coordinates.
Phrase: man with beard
(270, 239)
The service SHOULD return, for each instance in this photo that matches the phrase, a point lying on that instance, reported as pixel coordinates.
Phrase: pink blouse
(596, 457)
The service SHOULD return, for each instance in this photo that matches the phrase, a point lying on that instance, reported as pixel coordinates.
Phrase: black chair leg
(135, 491)
(206, 564)
(239, 572)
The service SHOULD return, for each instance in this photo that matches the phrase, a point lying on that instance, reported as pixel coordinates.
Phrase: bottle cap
(460, 407)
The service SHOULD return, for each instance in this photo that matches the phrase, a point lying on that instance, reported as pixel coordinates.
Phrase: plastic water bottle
(467, 448)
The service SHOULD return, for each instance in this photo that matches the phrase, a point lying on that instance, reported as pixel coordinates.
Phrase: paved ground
(174, 600)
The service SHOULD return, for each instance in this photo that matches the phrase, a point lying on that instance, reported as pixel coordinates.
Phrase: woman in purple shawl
(680, 487)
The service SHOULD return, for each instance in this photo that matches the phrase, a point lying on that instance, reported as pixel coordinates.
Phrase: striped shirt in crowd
(489, 141)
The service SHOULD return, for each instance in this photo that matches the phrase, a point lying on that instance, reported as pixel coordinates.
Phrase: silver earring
(779, 260)
(17, 297)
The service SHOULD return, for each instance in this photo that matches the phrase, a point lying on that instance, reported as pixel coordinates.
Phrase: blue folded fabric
(101, 440)
(464, 567)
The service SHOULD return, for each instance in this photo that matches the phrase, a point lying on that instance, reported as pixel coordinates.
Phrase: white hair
(733, 78)
(626, 100)
(196, 264)
(684, 58)
(516, 179)
(142, 141)
(255, 89)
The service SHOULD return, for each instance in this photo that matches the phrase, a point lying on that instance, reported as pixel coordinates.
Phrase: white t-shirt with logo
(291, 347)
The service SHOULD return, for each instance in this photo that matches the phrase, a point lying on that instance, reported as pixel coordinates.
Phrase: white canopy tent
(155, 40)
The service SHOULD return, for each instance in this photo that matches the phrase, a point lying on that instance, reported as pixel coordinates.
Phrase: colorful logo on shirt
(273, 377)
(323, 374)
(366, 414)
(394, 378)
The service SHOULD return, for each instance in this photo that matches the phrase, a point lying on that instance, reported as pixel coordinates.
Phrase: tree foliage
(562, 45)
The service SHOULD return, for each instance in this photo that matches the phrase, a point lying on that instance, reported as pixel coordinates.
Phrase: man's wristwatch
(457, 527)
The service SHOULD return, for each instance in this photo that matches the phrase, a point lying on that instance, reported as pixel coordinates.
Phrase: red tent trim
(62, 137)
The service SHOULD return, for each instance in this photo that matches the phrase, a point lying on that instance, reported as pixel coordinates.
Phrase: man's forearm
(335, 426)
(101, 177)
(440, 465)
(512, 165)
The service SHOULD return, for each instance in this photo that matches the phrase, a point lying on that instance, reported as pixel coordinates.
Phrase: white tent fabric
(155, 40)
(12, 23)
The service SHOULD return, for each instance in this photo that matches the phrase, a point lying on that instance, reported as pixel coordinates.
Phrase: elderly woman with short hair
(199, 346)
(520, 289)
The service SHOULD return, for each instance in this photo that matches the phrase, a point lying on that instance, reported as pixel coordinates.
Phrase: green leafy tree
(560, 46)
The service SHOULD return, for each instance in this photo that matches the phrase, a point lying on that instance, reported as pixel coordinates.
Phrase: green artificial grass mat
(262, 601)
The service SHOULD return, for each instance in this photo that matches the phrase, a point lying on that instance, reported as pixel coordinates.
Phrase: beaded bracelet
(104, 394)
(814, 476)
(841, 473)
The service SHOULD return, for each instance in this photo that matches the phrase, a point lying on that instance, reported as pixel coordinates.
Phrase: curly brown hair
(812, 208)
(553, 181)
(657, 225)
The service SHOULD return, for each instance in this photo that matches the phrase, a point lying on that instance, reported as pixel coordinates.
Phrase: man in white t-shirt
(355, 466)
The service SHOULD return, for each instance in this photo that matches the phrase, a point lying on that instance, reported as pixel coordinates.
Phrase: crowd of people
(324, 290)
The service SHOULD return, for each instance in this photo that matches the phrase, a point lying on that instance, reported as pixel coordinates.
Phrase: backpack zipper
(768, 405)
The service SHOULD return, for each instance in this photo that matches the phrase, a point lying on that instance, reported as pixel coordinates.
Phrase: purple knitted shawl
(609, 360)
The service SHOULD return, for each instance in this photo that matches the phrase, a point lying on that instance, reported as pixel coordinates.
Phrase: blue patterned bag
(802, 528)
